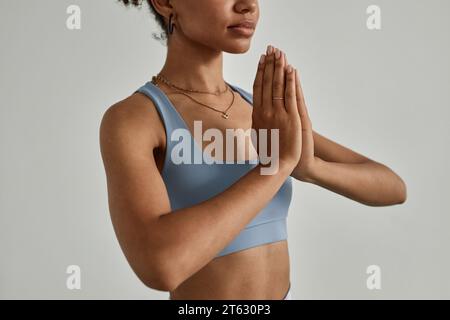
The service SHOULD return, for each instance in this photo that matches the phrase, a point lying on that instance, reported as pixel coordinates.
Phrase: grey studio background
(383, 93)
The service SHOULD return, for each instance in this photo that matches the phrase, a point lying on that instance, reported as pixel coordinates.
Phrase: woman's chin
(238, 47)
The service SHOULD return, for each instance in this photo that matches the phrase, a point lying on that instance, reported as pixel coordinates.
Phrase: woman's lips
(242, 30)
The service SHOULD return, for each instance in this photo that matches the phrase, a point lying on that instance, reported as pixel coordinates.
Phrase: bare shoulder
(132, 120)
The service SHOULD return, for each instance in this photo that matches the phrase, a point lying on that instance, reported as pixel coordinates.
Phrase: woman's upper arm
(136, 191)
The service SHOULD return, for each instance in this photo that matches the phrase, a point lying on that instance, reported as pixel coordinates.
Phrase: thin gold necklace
(225, 115)
(159, 76)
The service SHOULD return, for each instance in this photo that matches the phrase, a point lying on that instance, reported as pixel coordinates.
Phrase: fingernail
(289, 69)
(278, 54)
(262, 59)
(269, 49)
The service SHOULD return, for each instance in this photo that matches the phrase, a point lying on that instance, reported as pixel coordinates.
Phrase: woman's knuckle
(267, 81)
(289, 95)
(266, 114)
(277, 84)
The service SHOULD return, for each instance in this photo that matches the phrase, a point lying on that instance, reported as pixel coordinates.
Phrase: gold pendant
(225, 115)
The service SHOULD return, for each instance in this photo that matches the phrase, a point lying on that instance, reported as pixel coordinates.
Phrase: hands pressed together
(279, 103)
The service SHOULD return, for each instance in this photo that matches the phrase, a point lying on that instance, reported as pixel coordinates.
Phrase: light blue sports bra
(189, 184)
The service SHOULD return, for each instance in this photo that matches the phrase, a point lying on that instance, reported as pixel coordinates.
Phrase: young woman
(218, 231)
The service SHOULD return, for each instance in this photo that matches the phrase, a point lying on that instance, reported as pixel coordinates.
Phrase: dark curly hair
(159, 18)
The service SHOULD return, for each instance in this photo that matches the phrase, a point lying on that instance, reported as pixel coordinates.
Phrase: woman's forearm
(369, 182)
(191, 237)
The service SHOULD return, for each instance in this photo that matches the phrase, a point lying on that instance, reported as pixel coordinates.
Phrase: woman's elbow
(401, 192)
(162, 276)
(158, 280)
(398, 190)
